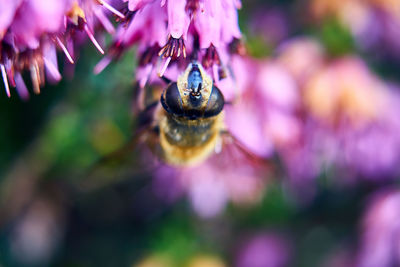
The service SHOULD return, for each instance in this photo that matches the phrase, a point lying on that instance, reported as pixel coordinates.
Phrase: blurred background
(331, 74)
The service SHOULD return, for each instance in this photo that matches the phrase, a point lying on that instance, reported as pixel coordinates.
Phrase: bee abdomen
(186, 134)
(186, 142)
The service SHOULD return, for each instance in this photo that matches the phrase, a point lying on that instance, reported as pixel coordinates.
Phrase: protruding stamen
(40, 73)
(147, 73)
(173, 48)
(4, 74)
(104, 21)
(111, 8)
(103, 63)
(164, 68)
(53, 70)
(67, 54)
(70, 46)
(184, 51)
(42, 79)
(94, 41)
(21, 87)
(35, 79)
(10, 75)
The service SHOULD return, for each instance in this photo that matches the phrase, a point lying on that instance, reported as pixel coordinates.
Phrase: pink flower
(178, 19)
(230, 175)
(264, 250)
(374, 24)
(301, 56)
(349, 125)
(7, 13)
(263, 116)
(380, 241)
(134, 5)
(28, 41)
(176, 28)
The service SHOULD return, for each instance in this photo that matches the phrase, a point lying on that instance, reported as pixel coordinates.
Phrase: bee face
(193, 96)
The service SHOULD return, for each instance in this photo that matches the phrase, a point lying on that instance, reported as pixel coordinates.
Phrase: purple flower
(347, 123)
(227, 176)
(374, 24)
(265, 98)
(361, 110)
(7, 13)
(301, 56)
(28, 41)
(174, 29)
(380, 240)
(264, 250)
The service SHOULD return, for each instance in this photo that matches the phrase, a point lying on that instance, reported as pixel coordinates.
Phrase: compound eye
(215, 103)
(171, 100)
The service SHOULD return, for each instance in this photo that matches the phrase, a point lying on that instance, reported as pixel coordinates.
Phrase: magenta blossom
(264, 250)
(28, 41)
(346, 117)
(230, 175)
(380, 241)
(263, 116)
(176, 29)
(374, 24)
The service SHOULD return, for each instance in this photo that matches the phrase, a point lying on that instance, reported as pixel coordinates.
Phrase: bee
(190, 120)
(185, 126)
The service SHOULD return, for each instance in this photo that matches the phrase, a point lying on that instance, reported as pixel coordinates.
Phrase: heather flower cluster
(350, 121)
(174, 33)
(374, 24)
(32, 30)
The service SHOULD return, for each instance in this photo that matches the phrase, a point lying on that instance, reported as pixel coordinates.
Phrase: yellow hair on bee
(181, 153)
